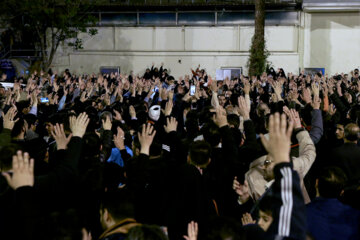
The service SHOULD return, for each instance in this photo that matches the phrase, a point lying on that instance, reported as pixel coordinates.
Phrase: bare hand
(192, 231)
(146, 138)
(60, 137)
(107, 123)
(278, 145)
(8, 118)
(168, 108)
(171, 125)
(220, 117)
(117, 115)
(247, 219)
(242, 190)
(295, 118)
(306, 95)
(243, 108)
(22, 171)
(132, 112)
(78, 125)
(316, 102)
(119, 139)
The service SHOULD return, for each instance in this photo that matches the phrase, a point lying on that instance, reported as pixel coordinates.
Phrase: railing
(30, 54)
(191, 2)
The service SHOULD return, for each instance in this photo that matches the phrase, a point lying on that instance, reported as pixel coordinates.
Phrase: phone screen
(192, 90)
(44, 100)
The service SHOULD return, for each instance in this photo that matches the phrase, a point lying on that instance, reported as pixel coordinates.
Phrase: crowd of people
(113, 156)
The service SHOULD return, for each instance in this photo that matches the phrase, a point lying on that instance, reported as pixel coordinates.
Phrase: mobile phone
(192, 90)
(44, 100)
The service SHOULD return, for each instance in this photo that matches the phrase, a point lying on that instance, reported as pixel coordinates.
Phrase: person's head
(331, 182)
(115, 206)
(211, 133)
(222, 228)
(262, 109)
(351, 132)
(339, 131)
(19, 129)
(31, 121)
(233, 120)
(199, 154)
(265, 212)
(268, 167)
(6, 153)
(146, 232)
(222, 100)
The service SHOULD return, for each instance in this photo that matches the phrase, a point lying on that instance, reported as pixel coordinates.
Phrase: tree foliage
(258, 54)
(52, 22)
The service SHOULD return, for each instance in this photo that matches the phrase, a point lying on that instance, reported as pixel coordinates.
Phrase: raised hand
(117, 115)
(306, 95)
(247, 87)
(192, 231)
(315, 89)
(22, 171)
(277, 89)
(247, 219)
(146, 138)
(132, 112)
(332, 110)
(278, 145)
(60, 137)
(8, 118)
(316, 102)
(107, 123)
(168, 108)
(213, 86)
(119, 139)
(295, 118)
(171, 125)
(243, 108)
(78, 125)
(242, 190)
(220, 117)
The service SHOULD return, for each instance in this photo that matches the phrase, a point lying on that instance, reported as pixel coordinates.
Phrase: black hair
(211, 133)
(146, 232)
(221, 228)
(119, 204)
(200, 153)
(6, 153)
(30, 119)
(266, 204)
(234, 120)
(331, 182)
(18, 128)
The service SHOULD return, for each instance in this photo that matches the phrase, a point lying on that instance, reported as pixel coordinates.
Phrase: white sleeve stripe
(287, 202)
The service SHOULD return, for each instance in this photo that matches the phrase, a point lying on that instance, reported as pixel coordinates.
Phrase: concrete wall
(330, 40)
(135, 48)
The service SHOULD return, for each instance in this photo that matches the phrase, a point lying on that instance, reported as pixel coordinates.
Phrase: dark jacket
(289, 219)
(347, 157)
(328, 218)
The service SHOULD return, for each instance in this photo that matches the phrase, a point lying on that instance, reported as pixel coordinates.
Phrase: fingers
(20, 160)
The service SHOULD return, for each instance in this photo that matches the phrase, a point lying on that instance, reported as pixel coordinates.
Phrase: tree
(51, 22)
(258, 54)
